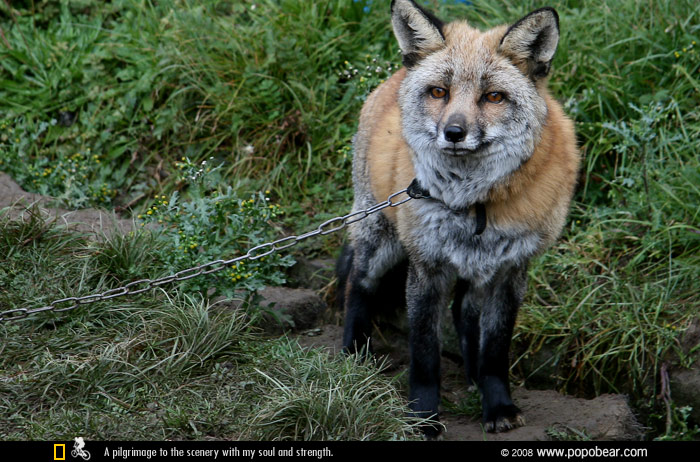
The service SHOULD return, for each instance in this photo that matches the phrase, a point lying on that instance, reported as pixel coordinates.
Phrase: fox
(468, 127)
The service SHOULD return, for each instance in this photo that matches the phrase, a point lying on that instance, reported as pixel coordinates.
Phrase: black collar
(417, 192)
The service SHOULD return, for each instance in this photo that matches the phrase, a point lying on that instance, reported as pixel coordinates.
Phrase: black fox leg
(466, 320)
(343, 267)
(358, 313)
(426, 295)
(371, 261)
(500, 300)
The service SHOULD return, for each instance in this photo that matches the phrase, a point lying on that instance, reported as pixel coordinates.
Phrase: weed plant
(215, 225)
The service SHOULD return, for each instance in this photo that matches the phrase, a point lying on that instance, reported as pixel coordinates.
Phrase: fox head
(472, 101)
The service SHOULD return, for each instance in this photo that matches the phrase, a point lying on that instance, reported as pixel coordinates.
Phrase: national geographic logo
(59, 452)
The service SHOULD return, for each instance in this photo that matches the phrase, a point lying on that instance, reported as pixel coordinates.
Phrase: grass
(330, 399)
(165, 365)
(120, 104)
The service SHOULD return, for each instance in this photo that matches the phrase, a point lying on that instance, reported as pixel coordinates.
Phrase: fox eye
(494, 97)
(438, 93)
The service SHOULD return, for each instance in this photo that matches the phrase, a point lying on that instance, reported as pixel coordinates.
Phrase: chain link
(143, 285)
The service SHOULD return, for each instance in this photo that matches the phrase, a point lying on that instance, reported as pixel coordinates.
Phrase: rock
(312, 274)
(685, 383)
(18, 203)
(685, 387)
(551, 415)
(290, 309)
(540, 370)
(691, 338)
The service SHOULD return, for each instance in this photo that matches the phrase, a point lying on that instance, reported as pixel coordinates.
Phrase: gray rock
(685, 383)
(541, 369)
(312, 274)
(290, 309)
(685, 389)
(18, 203)
(551, 415)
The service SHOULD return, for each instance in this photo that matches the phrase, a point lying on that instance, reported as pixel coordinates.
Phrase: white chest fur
(445, 237)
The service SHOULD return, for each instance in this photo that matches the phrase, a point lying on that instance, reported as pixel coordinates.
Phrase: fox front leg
(364, 274)
(465, 315)
(499, 301)
(427, 291)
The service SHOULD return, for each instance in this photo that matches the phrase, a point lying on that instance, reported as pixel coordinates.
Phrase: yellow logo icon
(59, 452)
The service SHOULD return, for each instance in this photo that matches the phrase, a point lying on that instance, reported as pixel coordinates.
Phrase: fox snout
(459, 136)
(455, 128)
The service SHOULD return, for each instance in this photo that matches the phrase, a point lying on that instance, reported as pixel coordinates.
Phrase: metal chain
(257, 252)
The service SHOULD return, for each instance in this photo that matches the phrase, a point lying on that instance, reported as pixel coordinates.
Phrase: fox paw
(504, 419)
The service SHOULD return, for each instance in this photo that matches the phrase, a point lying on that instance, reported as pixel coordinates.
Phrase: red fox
(469, 124)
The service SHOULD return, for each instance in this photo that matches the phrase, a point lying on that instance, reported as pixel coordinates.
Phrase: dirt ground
(549, 415)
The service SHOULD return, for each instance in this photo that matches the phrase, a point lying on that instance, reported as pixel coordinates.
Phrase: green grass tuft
(311, 396)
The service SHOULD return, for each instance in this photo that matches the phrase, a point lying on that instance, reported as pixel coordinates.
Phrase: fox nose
(455, 133)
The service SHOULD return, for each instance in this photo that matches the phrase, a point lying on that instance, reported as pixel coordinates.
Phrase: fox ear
(418, 32)
(532, 41)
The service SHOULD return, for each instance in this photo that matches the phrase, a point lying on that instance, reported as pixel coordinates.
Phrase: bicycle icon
(78, 450)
